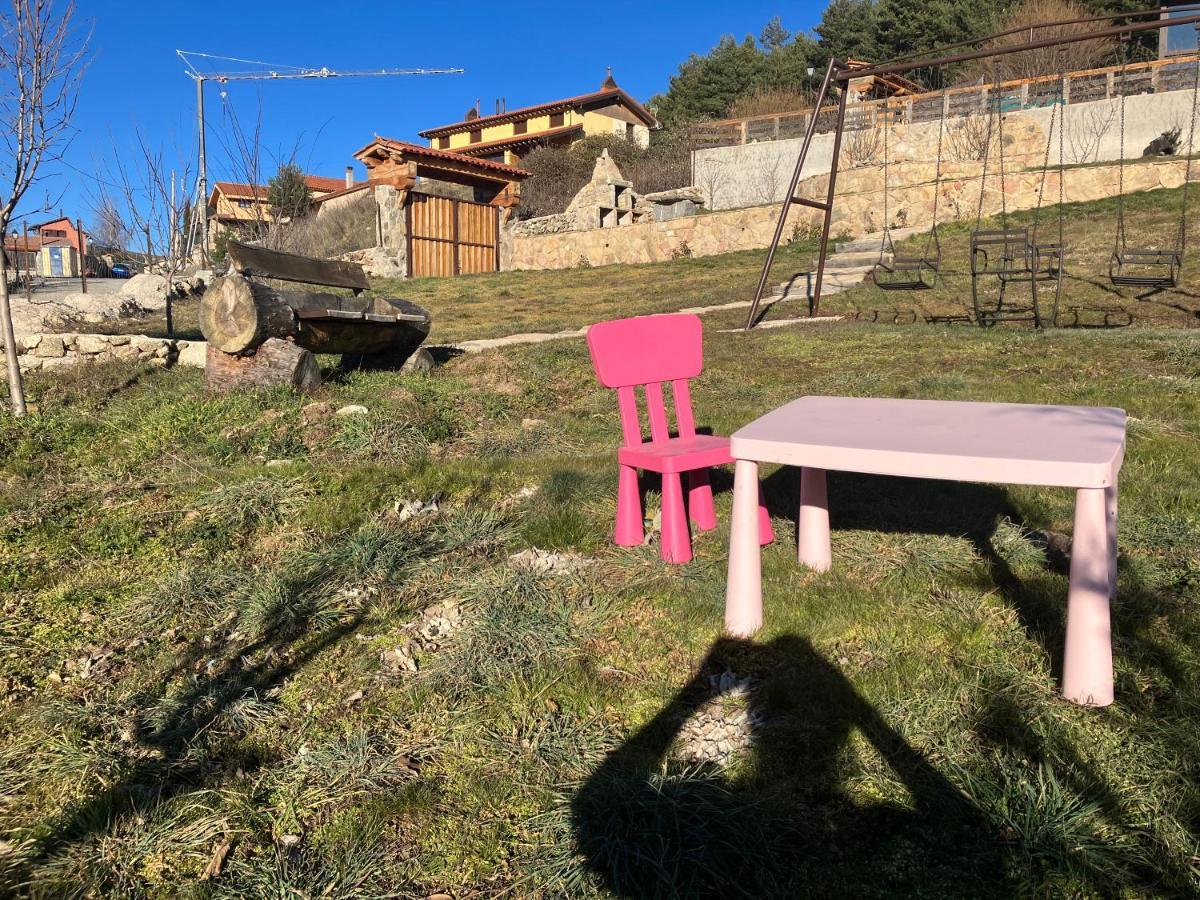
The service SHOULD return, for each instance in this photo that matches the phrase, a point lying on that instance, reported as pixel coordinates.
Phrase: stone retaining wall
(858, 210)
(43, 352)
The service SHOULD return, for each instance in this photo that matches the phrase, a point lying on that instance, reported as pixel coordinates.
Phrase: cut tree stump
(276, 362)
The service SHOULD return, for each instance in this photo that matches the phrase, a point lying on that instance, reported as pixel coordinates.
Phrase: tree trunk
(275, 363)
(16, 385)
(237, 314)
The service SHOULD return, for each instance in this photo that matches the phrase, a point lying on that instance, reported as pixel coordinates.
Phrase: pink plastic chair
(649, 351)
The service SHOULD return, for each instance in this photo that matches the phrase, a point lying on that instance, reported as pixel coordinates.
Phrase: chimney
(349, 176)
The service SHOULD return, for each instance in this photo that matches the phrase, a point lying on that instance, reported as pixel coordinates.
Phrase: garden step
(851, 259)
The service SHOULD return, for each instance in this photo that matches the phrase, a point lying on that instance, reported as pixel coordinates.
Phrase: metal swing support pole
(791, 197)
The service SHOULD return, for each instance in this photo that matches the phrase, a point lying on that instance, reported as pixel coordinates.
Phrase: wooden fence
(1174, 73)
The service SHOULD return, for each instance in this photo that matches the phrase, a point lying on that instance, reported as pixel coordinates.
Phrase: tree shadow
(787, 823)
(169, 753)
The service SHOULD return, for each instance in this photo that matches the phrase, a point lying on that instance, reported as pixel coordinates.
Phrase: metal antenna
(273, 72)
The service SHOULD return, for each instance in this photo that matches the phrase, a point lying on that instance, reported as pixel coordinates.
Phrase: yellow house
(507, 136)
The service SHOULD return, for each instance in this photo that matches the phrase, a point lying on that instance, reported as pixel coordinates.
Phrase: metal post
(202, 206)
(82, 255)
(791, 193)
(833, 170)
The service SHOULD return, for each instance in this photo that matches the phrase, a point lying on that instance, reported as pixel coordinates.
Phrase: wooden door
(451, 237)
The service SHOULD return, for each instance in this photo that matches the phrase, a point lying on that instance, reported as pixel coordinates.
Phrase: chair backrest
(648, 351)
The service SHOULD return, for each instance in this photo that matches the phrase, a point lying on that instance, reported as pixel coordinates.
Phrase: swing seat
(1005, 253)
(1145, 267)
(907, 273)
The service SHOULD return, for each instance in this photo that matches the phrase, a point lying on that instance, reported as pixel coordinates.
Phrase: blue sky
(527, 52)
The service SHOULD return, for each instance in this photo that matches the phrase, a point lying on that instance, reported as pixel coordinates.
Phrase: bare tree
(863, 146)
(139, 191)
(109, 229)
(1085, 132)
(42, 60)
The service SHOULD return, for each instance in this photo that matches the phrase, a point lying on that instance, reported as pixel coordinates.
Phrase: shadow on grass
(174, 749)
(786, 824)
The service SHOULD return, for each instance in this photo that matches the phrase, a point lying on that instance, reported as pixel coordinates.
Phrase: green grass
(190, 641)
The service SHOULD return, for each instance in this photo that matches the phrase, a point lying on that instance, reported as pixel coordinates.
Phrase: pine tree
(704, 86)
(288, 194)
(848, 30)
(774, 35)
(918, 26)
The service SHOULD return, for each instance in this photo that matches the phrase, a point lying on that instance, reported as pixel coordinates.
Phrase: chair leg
(676, 542)
(629, 532)
(700, 500)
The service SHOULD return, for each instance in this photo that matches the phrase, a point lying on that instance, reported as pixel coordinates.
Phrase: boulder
(148, 290)
(193, 354)
(50, 346)
(92, 343)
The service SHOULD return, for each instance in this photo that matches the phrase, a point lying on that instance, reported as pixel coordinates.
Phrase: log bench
(261, 335)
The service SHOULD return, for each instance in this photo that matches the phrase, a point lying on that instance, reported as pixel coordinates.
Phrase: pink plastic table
(1079, 447)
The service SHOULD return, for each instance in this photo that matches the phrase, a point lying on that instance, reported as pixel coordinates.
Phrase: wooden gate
(451, 237)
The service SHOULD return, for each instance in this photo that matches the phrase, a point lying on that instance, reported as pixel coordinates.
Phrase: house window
(54, 233)
(629, 131)
(521, 127)
(476, 135)
(557, 120)
(444, 143)
(244, 204)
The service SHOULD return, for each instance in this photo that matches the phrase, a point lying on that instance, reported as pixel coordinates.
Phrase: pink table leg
(813, 526)
(1110, 498)
(743, 591)
(1087, 664)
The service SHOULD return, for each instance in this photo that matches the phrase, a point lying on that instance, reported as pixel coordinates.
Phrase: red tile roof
(238, 191)
(529, 112)
(448, 155)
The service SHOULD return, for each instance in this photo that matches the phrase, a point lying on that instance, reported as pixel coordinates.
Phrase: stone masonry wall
(858, 210)
(758, 173)
(43, 352)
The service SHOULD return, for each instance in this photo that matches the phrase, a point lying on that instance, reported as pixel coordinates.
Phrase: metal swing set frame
(1025, 258)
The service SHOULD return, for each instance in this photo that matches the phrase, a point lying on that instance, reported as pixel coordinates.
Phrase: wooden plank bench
(245, 310)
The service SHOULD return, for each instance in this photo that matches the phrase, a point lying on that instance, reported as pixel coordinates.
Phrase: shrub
(560, 172)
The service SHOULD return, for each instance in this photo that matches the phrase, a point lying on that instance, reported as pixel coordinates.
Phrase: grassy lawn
(234, 662)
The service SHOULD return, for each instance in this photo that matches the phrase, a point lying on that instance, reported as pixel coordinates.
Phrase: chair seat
(677, 454)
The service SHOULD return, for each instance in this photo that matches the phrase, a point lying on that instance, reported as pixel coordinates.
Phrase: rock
(29, 363)
(420, 363)
(410, 509)
(30, 341)
(193, 355)
(91, 343)
(51, 345)
(148, 290)
(352, 409)
(398, 660)
(548, 562)
(118, 340)
(163, 351)
(146, 344)
(127, 352)
(531, 424)
(58, 362)
(278, 463)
